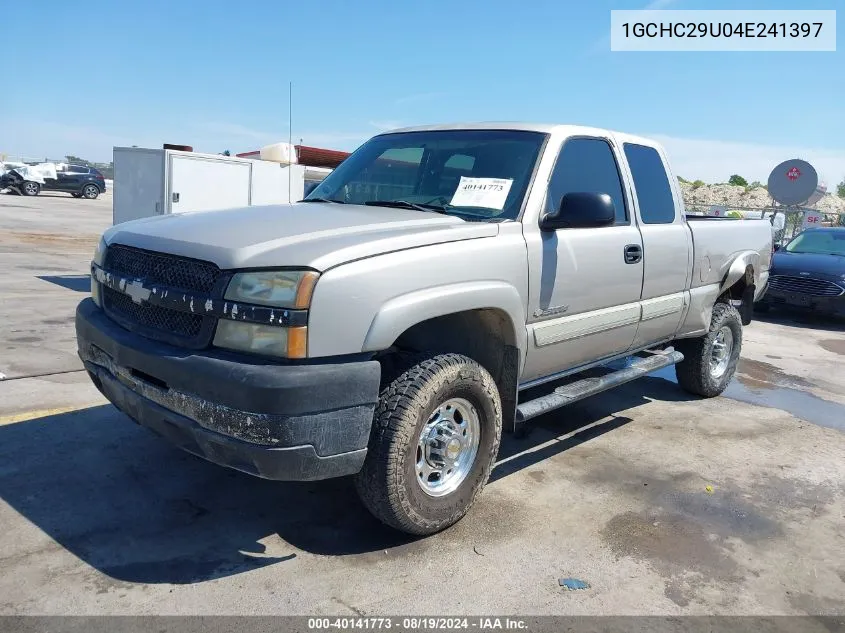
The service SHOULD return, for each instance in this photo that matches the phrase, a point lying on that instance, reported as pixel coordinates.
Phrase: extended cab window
(587, 165)
(657, 206)
(475, 174)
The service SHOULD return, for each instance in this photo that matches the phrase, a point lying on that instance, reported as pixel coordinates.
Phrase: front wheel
(710, 361)
(435, 436)
(29, 188)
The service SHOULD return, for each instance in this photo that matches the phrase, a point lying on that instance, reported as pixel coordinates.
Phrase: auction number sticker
(489, 193)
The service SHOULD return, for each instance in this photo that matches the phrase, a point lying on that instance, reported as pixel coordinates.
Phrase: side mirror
(581, 210)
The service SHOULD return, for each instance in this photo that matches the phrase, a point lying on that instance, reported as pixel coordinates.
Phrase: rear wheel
(76, 195)
(90, 192)
(435, 436)
(710, 361)
(29, 188)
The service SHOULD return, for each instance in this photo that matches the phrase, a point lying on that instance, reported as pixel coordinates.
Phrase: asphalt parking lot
(662, 503)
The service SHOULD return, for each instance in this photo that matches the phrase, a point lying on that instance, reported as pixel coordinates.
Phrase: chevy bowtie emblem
(137, 291)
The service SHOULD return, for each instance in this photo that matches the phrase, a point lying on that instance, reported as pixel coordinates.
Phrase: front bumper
(293, 422)
(823, 305)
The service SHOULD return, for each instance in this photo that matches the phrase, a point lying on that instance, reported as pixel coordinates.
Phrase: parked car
(78, 180)
(809, 273)
(390, 325)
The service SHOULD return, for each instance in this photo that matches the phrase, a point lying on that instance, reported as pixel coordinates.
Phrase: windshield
(476, 174)
(820, 242)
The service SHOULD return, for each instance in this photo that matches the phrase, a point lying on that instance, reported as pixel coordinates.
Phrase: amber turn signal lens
(305, 290)
(297, 342)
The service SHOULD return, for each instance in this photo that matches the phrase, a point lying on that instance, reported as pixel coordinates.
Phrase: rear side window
(657, 206)
(587, 165)
(77, 169)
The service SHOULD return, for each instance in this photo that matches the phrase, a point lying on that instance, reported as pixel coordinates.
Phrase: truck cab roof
(545, 128)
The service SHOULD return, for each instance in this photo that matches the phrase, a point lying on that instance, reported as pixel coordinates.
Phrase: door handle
(633, 253)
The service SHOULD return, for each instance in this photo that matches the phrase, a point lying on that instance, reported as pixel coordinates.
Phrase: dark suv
(79, 181)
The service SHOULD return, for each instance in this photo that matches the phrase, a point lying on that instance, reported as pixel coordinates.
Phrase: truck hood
(314, 235)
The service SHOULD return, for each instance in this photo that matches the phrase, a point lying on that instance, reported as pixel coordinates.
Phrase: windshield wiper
(323, 200)
(404, 204)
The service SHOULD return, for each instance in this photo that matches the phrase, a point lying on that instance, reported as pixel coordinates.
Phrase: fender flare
(400, 313)
(739, 268)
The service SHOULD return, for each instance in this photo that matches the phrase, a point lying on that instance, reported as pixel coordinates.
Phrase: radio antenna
(290, 141)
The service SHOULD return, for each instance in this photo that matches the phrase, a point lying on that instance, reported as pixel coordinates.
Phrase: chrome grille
(805, 285)
(173, 272)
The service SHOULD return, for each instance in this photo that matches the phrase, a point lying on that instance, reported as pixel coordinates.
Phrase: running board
(587, 387)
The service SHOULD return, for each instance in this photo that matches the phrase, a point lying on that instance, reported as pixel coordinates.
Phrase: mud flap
(745, 306)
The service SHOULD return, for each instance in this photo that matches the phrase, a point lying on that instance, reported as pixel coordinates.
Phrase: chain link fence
(787, 222)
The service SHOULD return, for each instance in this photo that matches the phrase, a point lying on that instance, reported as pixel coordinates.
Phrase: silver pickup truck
(385, 326)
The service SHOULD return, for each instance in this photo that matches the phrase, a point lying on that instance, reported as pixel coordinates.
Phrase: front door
(585, 283)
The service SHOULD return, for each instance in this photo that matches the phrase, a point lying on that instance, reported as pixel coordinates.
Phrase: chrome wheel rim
(447, 446)
(720, 356)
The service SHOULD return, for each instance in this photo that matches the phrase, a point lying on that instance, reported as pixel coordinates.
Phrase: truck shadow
(138, 510)
(78, 283)
(794, 317)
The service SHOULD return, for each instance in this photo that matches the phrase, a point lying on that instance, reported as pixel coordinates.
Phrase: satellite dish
(793, 182)
(818, 194)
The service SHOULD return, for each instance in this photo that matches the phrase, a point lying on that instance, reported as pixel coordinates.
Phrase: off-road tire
(387, 483)
(693, 372)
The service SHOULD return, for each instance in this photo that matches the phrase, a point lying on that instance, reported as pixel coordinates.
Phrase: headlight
(262, 339)
(100, 252)
(290, 289)
(284, 289)
(99, 256)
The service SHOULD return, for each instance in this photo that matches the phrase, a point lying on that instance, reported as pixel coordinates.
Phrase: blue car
(809, 273)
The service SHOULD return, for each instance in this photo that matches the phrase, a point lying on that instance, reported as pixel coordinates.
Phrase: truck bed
(718, 241)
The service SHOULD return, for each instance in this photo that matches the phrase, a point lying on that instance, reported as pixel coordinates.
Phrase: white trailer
(150, 182)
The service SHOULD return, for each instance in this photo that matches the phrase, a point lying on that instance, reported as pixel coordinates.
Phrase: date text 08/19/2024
(416, 623)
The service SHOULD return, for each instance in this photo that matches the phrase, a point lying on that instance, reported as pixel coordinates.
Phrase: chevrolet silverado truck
(390, 325)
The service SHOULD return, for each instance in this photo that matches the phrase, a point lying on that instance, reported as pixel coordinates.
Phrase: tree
(697, 184)
(840, 189)
(738, 181)
(76, 160)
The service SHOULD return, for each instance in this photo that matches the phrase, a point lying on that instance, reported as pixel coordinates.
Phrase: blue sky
(215, 75)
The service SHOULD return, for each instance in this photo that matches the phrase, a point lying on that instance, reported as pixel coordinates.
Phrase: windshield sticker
(490, 193)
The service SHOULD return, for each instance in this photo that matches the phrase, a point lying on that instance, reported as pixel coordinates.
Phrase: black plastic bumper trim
(293, 463)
